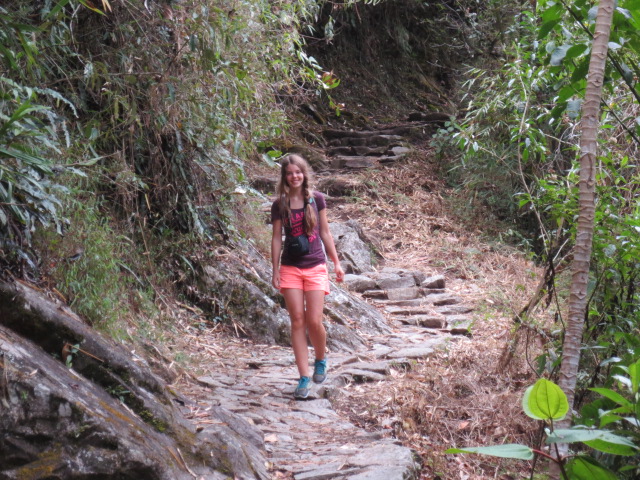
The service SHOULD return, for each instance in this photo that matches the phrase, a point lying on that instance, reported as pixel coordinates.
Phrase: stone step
(361, 151)
(354, 162)
(359, 163)
(459, 325)
(399, 130)
(371, 140)
(436, 281)
(437, 299)
(401, 293)
(393, 310)
(375, 294)
(426, 321)
(430, 117)
(454, 309)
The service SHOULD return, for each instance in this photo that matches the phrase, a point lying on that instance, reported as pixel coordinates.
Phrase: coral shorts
(306, 279)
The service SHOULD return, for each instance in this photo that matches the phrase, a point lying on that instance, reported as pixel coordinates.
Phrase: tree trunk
(584, 235)
(585, 227)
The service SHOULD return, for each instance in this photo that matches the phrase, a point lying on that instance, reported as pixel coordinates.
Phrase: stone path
(308, 440)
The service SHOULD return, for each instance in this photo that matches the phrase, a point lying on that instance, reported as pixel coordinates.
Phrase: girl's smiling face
(294, 176)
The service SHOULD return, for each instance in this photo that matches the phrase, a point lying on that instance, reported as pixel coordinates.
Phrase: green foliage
(585, 468)
(135, 121)
(617, 406)
(91, 275)
(167, 98)
(567, 30)
(521, 126)
(545, 401)
(520, 135)
(30, 132)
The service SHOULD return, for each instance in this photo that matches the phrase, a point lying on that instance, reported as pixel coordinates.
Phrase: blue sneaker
(302, 390)
(320, 371)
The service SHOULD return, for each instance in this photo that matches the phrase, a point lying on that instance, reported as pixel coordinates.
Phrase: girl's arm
(276, 249)
(329, 245)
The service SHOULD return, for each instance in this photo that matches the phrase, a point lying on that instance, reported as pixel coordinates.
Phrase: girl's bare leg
(294, 300)
(313, 319)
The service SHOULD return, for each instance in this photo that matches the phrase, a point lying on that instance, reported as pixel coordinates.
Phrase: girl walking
(300, 269)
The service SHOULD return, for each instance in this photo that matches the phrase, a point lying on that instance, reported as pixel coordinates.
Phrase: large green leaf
(585, 468)
(510, 450)
(611, 395)
(602, 440)
(545, 401)
(613, 448)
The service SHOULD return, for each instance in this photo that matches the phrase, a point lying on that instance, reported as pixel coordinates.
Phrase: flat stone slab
(343, 161)
(376, 151)
(384, 139)
(321, 408)
(377, 367)
(457, 319)
(359, 283)
(362, 376)
(454, 309)
(327, 472)
(426, 321)
(461, 329)
(439, 299)
(459, 324)
(375, 294)
(390, 455)
(380, 473)
(430, 291)
(416, 302)
(404, 293)
(411, 352)
(380, 350)
(392, 310)
(389, 281)
(436, 281)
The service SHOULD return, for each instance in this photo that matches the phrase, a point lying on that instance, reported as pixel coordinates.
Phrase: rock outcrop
(101, 413)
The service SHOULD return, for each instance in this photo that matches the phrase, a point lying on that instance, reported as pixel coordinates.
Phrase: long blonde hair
(310, 217)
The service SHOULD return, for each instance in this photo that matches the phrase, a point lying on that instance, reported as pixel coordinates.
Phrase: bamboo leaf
(55, 10)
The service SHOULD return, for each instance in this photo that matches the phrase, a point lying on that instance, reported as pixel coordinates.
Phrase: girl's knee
(315, 324)
(297, 321)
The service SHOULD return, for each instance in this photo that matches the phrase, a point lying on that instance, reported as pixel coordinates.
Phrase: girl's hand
(275, 280)
(339, 273)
